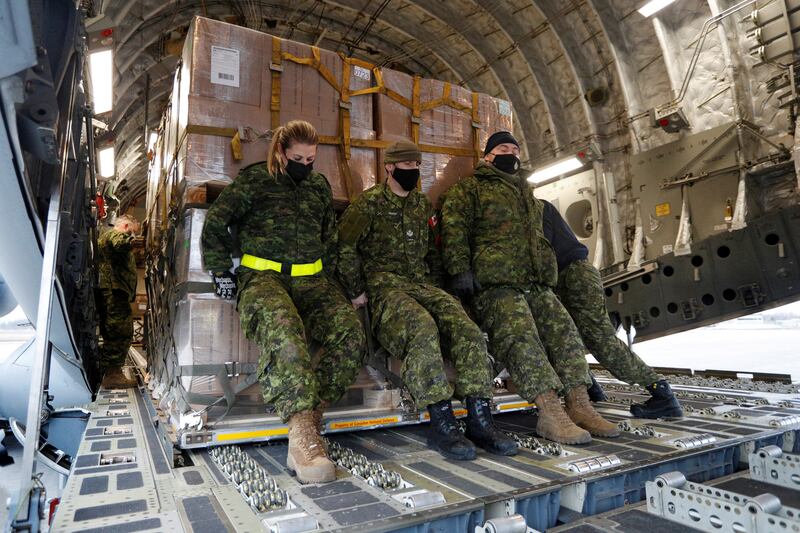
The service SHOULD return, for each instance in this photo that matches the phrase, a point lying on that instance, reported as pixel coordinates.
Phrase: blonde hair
(294, 131)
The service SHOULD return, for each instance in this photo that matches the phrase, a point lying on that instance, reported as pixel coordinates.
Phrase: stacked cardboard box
(449, 123)
(233, 87)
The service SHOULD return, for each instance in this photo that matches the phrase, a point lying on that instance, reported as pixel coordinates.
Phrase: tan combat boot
(115, 378)
(307, 455)
(554, 424)
(581, 411)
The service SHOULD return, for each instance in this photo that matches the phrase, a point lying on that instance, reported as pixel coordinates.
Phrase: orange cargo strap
(448, 150)
(344, 107)
(380, 87)
(415, 111)
(445, 100)
(275, 98)
(329, 139)
(476, 127)
(314, 62)
(236, 147)
(344, 127)
(232, 133)
(210, 130)
(381, 145)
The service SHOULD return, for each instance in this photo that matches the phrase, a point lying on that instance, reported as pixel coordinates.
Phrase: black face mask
(508, 163)
(298, 171)
(406, 177)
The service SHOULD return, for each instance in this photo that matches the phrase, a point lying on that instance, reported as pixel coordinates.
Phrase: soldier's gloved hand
(464, 285)
(224, 284)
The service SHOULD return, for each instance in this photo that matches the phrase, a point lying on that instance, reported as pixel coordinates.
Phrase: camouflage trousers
(116, 326)
(419, 323)
(282, 314)
(532, 334)
(581, 291)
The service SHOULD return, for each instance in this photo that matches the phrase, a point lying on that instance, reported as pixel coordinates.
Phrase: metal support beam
(40, 371)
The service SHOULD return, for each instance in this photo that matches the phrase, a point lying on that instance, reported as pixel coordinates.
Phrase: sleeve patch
(352, 226)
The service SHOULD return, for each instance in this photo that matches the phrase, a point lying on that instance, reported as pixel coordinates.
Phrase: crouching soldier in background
(388, 256)
(580, 289)
(117, 285)
(283, 212)
(497, 256)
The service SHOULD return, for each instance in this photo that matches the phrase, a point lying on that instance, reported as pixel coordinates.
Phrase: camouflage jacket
(382, 232)
(117, 265)
(274, 217)
(492, 224)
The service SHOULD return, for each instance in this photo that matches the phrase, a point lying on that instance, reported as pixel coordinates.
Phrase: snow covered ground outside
(748, 350)
(742, 344)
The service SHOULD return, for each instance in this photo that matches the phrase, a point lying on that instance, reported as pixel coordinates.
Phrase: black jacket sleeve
(564, 242)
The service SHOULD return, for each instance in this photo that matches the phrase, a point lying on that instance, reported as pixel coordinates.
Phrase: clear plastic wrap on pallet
(441, 171)
(444, 125)
(495, 114)
(188, 256)
(207, 332)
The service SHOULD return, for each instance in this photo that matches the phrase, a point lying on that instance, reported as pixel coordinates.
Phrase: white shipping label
(361, 72)
(504, 108)
(224, 66)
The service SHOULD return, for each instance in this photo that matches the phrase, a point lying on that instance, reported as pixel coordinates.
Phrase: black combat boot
(663, 403)
(596, 392)
(444, 435)
(482, 431)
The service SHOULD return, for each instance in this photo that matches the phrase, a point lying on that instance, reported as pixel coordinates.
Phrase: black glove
(224, 284)
(464, 285)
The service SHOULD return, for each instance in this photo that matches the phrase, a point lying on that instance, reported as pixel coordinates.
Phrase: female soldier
(284, 216)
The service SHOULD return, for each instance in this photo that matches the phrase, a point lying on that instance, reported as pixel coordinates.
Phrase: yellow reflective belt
(259, 263)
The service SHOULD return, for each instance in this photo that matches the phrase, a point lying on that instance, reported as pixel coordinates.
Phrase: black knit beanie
(499, 137)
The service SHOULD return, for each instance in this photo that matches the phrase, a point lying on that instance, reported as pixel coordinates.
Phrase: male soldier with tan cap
(388, 252)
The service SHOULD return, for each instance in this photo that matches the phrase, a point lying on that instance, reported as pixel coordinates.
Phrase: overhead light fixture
(101, 69)
(556, 169)
(105, 159)
(654, 6)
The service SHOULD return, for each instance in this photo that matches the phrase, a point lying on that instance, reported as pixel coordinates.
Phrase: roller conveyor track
(124, 475)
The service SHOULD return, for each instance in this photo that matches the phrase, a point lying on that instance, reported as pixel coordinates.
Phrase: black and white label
(361, 72)
(504, 108)
(224, 66)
